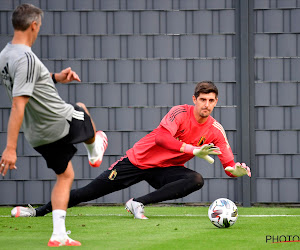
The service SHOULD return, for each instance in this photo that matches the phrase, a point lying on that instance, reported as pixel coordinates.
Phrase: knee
(82, 105)
(67, 176)
(197, 180)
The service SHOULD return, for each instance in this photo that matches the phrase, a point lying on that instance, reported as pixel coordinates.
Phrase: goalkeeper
(159, 157)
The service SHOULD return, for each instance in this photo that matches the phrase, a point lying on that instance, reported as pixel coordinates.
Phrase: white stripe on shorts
(79, 115)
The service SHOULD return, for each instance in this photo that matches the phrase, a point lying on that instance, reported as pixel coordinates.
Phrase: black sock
(43, 210)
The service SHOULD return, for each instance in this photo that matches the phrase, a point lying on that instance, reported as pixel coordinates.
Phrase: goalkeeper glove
(203, 152)
(239, 170)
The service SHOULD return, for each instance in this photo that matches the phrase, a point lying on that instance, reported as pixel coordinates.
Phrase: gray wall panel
(149, 23)
(97, 22)
(83, 5)
(278, 190)
(42, 171)
(7, 5)
(271, 18)
(137, 95)
(277, 100)
(4, 114)
(136, 4)
(34, 187)
(278, 142)
(289, 142)
(86, 93)
(110, 4)
(217, 4)
(287, 118)
(150, 71)
(288, 45)
(200, 18)
(226, 22)
(106, 92)
(267, 4)
(124, 119)
(23, 172)
(8, 197)
(278, 166)
(151, 117)
(84, 47)
(162, 5)
(70, 23)
(97, 71)
(4, 40)
(189, 46)
(124, 71)
(164, 95)
(294, 19)
(287, 190)
(5, 102)
(176, 70)
(136, 46)
(63, 91)
(123, 22)
(216, 46)
(163, 46)
(283, 94)
(218, 188)
(176, 22)
(47, 23)
(264, 188)
(57, 4)
(76, 66)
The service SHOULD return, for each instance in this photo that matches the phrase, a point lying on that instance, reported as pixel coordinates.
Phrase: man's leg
(121, 176)
(96, 189)
(59, 198)
(60, 195)
(97, 144)
(171, 183)
(91, 140)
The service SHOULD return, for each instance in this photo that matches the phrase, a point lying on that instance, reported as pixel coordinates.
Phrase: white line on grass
(176, 215)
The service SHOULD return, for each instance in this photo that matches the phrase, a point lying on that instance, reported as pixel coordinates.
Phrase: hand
(239, 170)
(8, 161)
(205, 150)
(67, 75)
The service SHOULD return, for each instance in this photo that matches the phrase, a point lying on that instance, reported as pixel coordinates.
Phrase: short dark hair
(206, 87)
(24, 15)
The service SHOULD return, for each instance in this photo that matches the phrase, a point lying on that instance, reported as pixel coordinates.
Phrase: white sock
(59, 218)
(91, 149)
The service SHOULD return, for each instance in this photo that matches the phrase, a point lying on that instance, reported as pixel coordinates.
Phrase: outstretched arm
(166, 140)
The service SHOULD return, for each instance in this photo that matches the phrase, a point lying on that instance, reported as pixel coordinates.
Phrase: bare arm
(9, 156)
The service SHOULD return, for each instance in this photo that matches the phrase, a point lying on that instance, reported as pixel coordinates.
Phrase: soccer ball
(223, 213)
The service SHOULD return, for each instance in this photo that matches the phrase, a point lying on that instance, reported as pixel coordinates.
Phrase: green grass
(175, 227)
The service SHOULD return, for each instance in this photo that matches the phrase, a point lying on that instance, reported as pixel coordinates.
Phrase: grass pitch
(175, 227)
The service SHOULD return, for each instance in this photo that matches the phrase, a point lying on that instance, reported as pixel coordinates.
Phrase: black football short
(124, 174)
(58, 154)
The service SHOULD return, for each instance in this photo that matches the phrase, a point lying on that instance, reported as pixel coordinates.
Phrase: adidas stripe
(79, 115)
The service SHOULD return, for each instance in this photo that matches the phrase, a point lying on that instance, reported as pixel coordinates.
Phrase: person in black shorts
(49, 124)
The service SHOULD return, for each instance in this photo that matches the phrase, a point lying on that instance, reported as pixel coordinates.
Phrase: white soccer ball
(223, 213)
